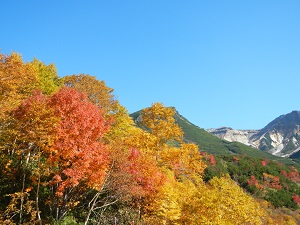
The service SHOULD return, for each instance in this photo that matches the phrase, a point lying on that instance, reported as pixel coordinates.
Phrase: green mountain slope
(214, 145)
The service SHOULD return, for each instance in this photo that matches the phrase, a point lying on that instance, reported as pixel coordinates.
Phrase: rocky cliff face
(280, 137)
(229, 134)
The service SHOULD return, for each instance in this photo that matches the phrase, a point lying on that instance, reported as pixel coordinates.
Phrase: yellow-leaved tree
(96, 90)
(222, 201)
(17, 81)
(182, 163)
(48, 79)
(160, 122)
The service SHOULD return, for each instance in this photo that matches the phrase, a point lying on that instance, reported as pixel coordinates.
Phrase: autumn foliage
(77, 148)
(70, 152)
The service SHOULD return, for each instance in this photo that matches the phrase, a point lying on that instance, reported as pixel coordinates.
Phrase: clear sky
(219, 62)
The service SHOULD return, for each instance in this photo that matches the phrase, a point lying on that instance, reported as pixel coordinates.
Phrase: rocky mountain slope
(281, 137)
(232, 135)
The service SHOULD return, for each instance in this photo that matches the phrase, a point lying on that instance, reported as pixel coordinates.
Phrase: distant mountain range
(281, 137)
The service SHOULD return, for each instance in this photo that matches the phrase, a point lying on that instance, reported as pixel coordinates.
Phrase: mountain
(212, 144)
(281, 137)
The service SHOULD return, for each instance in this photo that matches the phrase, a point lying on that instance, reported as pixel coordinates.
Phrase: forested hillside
(71, 154)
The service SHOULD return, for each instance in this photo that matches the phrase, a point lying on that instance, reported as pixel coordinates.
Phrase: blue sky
(220, 63)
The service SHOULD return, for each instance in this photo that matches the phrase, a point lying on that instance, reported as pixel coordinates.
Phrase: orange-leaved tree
(78, 155)
(102, 96)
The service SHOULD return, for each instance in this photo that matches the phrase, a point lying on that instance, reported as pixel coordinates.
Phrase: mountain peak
(280, 137)
(284, 123)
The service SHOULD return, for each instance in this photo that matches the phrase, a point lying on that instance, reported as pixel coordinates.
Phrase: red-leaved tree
(78, 156)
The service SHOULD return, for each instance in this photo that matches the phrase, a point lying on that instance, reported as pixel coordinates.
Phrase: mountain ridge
(280, 137)
(212, 144)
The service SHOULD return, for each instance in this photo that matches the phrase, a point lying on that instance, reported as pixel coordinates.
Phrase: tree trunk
(91, 208)
(37, 194)
(23, 187)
